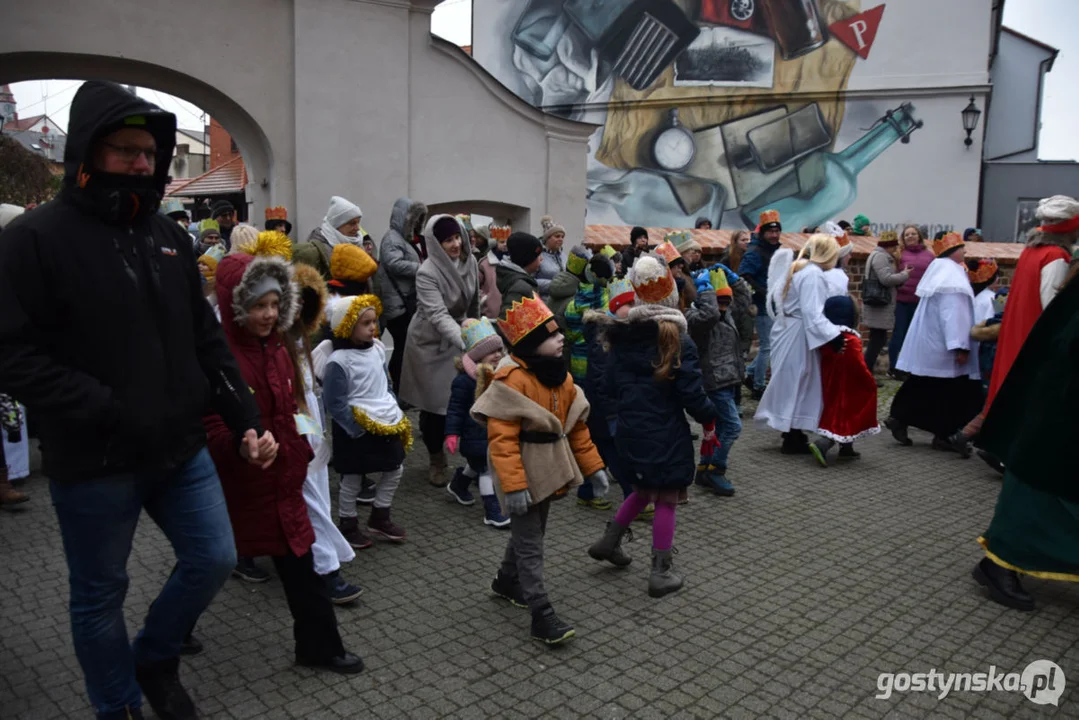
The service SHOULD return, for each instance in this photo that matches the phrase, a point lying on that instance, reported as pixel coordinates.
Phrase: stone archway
(250, 138)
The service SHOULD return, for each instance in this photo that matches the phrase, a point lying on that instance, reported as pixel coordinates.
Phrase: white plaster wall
(927, 44)
(1013, 122)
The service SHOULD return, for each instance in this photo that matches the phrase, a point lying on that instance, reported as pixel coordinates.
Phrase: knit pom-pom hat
(653, 282)
(550, 227)
(244, 234)
(578, 259)
(351, 262)
(268, 243)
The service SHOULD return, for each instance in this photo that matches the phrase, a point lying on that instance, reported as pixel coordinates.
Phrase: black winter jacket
(104, 334)
(717, 340)
(459, 422)
(514, 284)
(652, 436)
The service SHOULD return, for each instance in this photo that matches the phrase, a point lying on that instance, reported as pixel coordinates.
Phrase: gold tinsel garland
(402, 427)
(358, 305)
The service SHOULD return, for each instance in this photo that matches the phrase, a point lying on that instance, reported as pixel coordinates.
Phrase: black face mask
(550, 371)
(124, 200)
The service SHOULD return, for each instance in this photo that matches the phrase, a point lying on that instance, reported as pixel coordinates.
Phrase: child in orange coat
(539, 447)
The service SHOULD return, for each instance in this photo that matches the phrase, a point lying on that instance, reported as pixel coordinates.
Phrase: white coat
(793, 398)
(941, 324)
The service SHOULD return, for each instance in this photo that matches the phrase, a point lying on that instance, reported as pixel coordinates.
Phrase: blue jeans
(904, 314)
(728, 424)
(97, 524)
(759, 367)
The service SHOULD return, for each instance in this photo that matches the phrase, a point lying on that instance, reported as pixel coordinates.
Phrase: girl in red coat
(269, 517)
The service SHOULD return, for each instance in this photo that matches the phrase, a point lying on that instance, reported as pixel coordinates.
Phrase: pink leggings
(662, 523)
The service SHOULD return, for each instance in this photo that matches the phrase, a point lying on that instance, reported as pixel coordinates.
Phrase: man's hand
(259, 451)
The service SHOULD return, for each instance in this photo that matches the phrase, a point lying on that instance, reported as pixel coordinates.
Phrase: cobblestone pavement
(800, 590)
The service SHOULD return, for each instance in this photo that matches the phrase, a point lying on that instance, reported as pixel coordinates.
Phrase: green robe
(1032, 427)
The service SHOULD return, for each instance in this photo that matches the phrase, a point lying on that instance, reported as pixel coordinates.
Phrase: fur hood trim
(314, 295)
(657, 313)
(257, 269)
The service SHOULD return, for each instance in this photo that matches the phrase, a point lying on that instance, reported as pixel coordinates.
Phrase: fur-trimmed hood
(237, 276)
(407, 217)
(655, 313)
(485, 373)
(313, 295)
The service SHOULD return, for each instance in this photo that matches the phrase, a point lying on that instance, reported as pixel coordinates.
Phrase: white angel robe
(793, 398)
(941, 324)
(330, 548)
(983, 310)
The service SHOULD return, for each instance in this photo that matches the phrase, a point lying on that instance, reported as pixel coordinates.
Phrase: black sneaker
(248, 571)
(128, 713)
(342, 592)
(367, 491)
(548, 629)
(344, 664)
(160, 683)
(509, 590)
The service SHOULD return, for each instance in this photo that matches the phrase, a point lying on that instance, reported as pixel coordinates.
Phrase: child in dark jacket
(266, 503)
(654, 376)
(483, 350)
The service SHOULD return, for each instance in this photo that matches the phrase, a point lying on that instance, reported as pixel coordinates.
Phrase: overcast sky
(1050, 21)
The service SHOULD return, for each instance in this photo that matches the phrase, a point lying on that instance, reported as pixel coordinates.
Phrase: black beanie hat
(523, 248)
(222, 207)
(530, 342)
(636, 233)
(445, 228)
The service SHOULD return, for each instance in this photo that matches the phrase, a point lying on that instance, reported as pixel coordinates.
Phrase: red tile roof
(23, 123)
(713, 241)
(225, 179)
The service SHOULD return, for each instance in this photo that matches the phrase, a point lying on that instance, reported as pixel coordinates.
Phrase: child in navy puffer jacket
(483, 350)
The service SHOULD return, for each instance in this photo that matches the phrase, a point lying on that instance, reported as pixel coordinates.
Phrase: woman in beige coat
(447, 293)
(881, 319)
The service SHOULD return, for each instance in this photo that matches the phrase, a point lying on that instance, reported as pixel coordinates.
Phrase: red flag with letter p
(859, 32)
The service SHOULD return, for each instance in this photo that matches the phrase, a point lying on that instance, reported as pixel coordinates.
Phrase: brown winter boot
(380, 525)
(436, 473)
(350, 529)
(8, 494)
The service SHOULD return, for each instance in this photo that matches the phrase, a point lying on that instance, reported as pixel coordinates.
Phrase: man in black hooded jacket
(107, 340)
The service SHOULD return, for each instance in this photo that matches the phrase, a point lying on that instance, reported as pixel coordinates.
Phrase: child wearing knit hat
(370, 432)
(539, 448)
(654, 368)
(483, 351)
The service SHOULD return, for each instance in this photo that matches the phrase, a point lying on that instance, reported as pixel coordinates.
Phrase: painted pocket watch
(673, 148)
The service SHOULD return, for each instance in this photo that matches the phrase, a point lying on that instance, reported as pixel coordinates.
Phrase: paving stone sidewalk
(800, 591)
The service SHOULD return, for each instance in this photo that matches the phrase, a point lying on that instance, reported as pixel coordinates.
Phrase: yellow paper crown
(523, 317)
(277, 213)
(949, 241)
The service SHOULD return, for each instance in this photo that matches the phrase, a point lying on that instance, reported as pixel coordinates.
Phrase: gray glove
(517, 502)
(601, 481)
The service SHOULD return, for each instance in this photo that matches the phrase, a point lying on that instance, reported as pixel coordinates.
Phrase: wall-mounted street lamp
(971, 115)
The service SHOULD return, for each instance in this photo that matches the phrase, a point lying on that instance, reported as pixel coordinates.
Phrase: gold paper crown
(277, 213)
(523, 317)
(987, 268)
(949, 241)
(769, 216)
(668, 252)
(500, 233)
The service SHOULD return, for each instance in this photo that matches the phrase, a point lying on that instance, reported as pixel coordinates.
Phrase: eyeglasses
(130, 153)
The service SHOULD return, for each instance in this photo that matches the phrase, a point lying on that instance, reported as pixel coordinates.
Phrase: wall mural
(709, 108)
